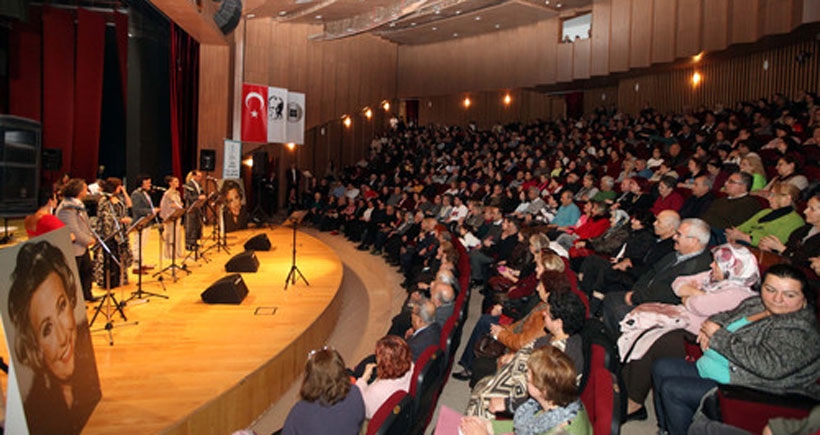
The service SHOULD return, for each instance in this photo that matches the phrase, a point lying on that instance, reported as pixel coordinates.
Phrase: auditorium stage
(190, 367)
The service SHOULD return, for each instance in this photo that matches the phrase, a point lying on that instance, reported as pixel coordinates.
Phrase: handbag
(489, 347)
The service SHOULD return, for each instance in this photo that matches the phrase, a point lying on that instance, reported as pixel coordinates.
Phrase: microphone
(161, 189)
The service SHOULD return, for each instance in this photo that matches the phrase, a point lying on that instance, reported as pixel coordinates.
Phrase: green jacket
(781, 227)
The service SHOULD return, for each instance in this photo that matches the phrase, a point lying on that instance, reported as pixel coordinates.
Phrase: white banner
(296, 118)
(232, 163)
(277, 115)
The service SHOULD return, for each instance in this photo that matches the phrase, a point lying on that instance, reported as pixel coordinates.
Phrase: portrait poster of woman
(53, 370)
(235, 212)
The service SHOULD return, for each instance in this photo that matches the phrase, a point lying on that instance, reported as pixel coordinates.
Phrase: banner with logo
(277, 115)
(233, 159)
(296, 118)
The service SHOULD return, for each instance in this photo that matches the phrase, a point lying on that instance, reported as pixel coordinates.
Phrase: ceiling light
(392, 24)
(558, 5)
(455, 35)
(318, 17)
(458, 12)
(413, 24)
(478, 18)
(283, 13)
(547, 2)
(498, 26)
(435, 28)
(250, 16)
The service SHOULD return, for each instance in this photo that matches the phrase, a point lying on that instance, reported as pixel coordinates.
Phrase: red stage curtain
(184, 87)
(88, 92)
(25, 68)
(121, 22)
(58, 82)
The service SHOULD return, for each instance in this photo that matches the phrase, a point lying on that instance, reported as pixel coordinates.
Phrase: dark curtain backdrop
(112, 125)
(184, 84)
(58, 83)
(26, 68)
(88, 93)
(575, 104)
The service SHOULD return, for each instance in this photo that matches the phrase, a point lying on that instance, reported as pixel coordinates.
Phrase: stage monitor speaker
(258, 243)
(52, 159)
(243, 262)
(229, 290)
(207, 160)
(228, 15)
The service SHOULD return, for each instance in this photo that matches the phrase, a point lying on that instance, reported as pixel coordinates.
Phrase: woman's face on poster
(234, 201)
(52, 319)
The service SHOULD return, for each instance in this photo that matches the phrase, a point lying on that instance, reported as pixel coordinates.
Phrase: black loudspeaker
(258, 243)
(243, 262)
(228, 290)
(260, 164)
(228, 15)
(207, 160)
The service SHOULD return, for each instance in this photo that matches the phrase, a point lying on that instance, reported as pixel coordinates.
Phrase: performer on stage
(72, 212)
(51, 342)
(142, 205)
(193, 221)
(112, 226)
(171, 202)
(235, 215)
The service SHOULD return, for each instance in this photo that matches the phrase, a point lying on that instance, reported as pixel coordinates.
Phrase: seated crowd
(653, 223)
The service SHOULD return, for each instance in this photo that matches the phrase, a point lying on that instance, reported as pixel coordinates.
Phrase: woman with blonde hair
(752, 164)
(779, 220)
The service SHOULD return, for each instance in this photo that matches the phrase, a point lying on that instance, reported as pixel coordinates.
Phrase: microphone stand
(295, 273)
(109, 297)
(140, 293)
(174, 218)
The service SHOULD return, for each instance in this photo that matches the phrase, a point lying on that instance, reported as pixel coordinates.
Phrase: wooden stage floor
(191, 367)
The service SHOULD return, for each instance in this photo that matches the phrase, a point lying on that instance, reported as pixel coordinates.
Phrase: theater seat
(751, 409)
(425, 386)
(600, 385)
(394, 417)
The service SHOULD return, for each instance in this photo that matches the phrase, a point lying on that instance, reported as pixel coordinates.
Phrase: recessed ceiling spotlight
(458, 12)
(413, 24)
(250, 16)
(392, 24)
(318, 17)
(283, 13)
(437, 11)
(435, 28)
(547, 2)
(478, 18)
(455, 35)
(558, 5)
(498, 26)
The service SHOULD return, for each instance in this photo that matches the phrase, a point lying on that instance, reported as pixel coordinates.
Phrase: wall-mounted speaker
(207, 160)
(228, 290)
(228, 15)
(243, 262)
(258, 243)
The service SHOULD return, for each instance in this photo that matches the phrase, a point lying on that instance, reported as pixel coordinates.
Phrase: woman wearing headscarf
(653, 331)
(607, 244)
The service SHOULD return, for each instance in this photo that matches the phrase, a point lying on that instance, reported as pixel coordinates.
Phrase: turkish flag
(254, 113)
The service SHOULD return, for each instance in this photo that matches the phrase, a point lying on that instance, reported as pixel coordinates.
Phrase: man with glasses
(655, 285)
(734, 209)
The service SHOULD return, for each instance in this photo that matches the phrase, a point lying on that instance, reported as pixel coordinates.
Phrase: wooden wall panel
(487, 109)
(549, 33)
(689, 28)
(640, 38)
(810, 12)
(724, 82)
(778, 16)
(599, 58)
(744, 20)
(580, 58)
(619, 35)
(214, 98)
(717, 24)
(564, 62)
(664, 31)
(594, 98)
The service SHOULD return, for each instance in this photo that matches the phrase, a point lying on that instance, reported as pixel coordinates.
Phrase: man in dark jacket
(690, 257)
(701, 198)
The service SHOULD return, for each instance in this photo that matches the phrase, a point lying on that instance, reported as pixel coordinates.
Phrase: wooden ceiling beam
(196, 21)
